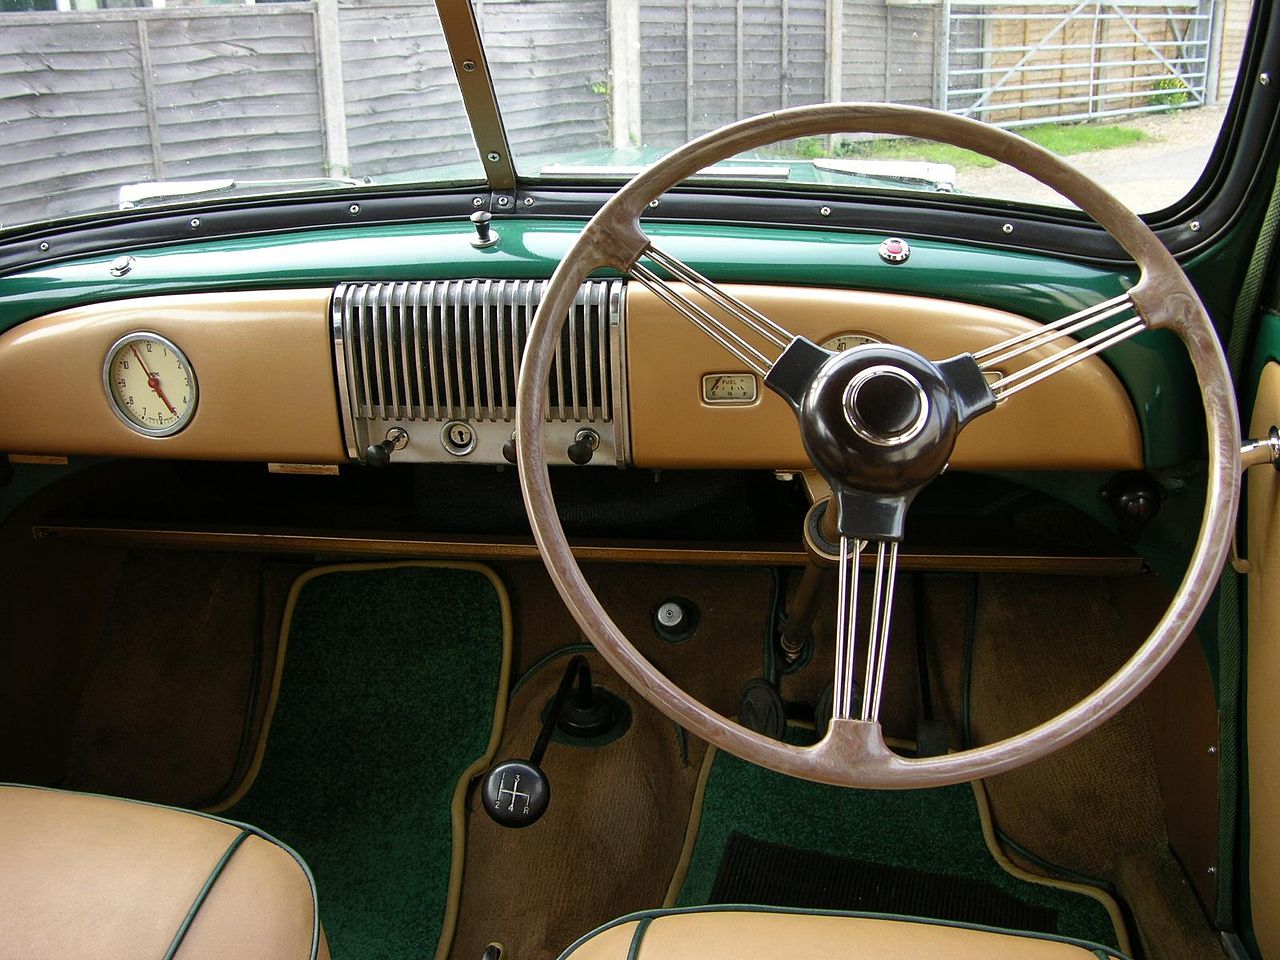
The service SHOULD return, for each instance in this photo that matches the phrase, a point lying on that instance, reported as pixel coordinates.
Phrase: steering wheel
(879, 422)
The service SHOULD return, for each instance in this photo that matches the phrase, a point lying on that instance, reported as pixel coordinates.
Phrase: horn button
(886, 405)
(879, 422)
(879, 418)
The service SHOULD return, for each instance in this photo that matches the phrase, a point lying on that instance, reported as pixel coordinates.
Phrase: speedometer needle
(152, 380)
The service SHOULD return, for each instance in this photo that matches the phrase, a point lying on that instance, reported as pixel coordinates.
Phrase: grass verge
(1064, 139)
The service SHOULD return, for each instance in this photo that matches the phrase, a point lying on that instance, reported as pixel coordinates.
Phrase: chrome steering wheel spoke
(771, 338)
(1113, 327)
(878, 628)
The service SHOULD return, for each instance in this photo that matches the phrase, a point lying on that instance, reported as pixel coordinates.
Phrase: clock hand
(153, 381)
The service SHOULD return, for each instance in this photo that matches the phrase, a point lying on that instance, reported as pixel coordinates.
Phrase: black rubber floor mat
(772, 874)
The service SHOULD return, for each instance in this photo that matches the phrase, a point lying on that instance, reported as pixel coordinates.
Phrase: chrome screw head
(825, 211)
(1194, 225)
(1264, 79)
(494, 156)
(1007, 228)
(195, 223)
(469, 66)
(477, 201)
(44, 246)
(528, 201)
(353, 209)
(503, 201)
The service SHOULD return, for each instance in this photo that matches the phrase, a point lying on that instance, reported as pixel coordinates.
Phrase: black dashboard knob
(379, 454)
(509, 450)
(585, 443)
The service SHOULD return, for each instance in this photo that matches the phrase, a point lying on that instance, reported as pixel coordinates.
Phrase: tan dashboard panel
(1081, 419)
(263, 364)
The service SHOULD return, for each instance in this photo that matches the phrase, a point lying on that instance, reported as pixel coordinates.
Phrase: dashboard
(426, 370)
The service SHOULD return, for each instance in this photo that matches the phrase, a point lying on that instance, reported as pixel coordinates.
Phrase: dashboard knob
(485, 236)
(584, 446)
(509, 450)
(379, 454)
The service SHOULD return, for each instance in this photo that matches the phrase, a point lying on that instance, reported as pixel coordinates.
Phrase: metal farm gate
(1049, 61)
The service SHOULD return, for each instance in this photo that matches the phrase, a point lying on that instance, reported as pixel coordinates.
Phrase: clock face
(150, 384)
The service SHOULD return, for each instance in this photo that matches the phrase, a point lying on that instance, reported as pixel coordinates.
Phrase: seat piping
(645, 917)
(204, 893)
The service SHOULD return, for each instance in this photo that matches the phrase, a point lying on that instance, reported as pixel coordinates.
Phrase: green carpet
(387, 697)
(936, 831)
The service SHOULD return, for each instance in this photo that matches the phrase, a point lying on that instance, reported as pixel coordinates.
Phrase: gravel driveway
(1146, 176)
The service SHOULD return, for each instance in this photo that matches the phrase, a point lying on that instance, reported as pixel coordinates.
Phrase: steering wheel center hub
(878, 418)
(886, 405)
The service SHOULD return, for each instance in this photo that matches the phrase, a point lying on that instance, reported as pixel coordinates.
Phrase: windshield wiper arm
(158, 191)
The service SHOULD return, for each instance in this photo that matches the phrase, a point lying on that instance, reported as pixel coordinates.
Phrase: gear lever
(515, 793)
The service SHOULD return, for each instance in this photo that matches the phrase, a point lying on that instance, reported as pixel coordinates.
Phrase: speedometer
(844, 341)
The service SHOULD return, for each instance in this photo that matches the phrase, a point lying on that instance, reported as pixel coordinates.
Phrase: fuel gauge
(730, 388)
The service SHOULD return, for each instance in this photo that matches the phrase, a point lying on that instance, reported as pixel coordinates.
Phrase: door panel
(1263, 676)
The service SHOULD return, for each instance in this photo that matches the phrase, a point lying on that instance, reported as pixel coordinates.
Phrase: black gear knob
(515, 793)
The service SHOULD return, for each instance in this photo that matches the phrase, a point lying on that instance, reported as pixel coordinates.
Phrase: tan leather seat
(90, 877)
(762, 933)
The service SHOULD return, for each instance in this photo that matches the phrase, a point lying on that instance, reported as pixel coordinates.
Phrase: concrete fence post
(333, 105)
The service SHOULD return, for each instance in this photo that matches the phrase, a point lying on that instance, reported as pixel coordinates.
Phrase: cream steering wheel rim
(854, 753)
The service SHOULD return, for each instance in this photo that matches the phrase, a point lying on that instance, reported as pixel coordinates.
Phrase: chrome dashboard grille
(450, 350)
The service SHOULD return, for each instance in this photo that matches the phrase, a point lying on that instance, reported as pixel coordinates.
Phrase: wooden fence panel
(237, 96)
(564, 42)
(80, 115)
(743, 58)
(404, 111)
(663, 67)
(889, 52)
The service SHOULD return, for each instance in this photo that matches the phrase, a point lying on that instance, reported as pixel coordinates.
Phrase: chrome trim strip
(362, 343)
(576, 315)
(602, 338)
(402, 346)
(504, 307)
(419, 370)
(428, 321)
(488, 321)
(558, 408)
(622, 386)
(339, 320)
(472, 337)
(457, 350)
(375, 329)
